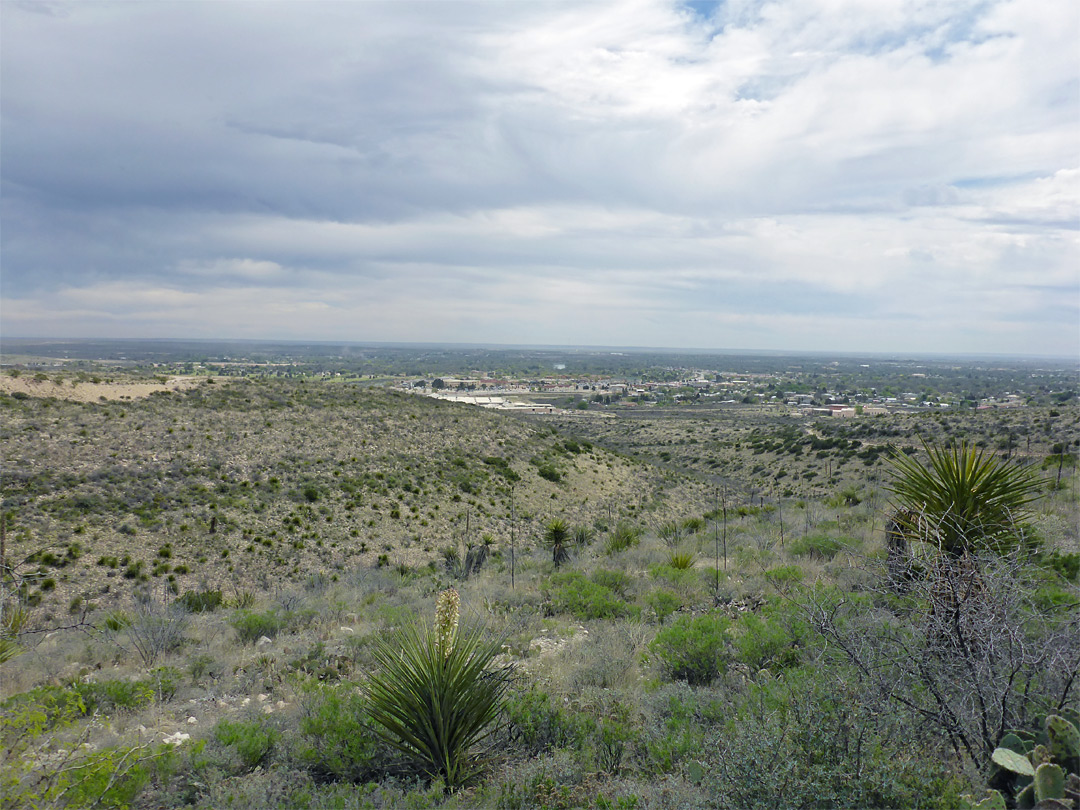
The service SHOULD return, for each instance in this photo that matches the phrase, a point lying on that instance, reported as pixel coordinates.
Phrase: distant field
(77, 390)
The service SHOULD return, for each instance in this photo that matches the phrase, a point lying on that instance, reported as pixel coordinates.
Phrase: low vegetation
(218, 597)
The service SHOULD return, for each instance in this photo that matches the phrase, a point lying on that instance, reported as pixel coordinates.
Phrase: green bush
(616, 581)
(251, 741)
(770, 641)
(691, 648)
(673, 725)
(535, 724)
(1066, 564)
(201, 601)
(250, 625)
(165, 681)
(572, 593)
(549, 473)
(820, 546)
(34, 726)
(115, 695)
(674, 576)
(663, 603)
(338, 737)
(811, 740)
(781, 575)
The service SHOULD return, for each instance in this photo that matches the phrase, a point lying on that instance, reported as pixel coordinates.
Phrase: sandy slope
(90, 391)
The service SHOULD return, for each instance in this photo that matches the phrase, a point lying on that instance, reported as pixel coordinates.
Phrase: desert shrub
(812, 740)
(43, 765)
(1066, 564)
(673, 576)
(153, 629)
(772, 640)
(572, 593)
(821, 546)
(549, 473)
(44, 708)
(535, 724)
(606, 658)
(691, 648)
(663, 603)
(251, 625)
(674, 721)
(968, 647)
(200, 665)
(201, 601)
(623, 537)
(165, 681)
(250, 741)
(782, 576)
(337, 736)
(617, 581)
(115, 695)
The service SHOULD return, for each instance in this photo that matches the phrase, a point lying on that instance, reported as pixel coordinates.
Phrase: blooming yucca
(436, 695)
(447, 607)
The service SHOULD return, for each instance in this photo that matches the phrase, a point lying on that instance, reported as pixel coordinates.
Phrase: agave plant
(436, 694)
(964, 499)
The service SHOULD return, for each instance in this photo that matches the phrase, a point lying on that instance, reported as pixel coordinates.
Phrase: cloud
(744, 174)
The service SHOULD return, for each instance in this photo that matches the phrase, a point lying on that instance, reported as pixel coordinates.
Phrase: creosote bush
(690, 648)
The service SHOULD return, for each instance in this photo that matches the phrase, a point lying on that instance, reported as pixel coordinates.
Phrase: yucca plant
(436, 693)
(963, 499)
(13, 620)
(622, 537)
(556, 537)
(583, 536)
(681, 560)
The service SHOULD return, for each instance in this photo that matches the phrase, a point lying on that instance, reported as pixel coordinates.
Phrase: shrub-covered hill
(249, 484)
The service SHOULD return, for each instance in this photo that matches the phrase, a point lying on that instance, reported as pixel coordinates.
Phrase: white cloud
(624, 172)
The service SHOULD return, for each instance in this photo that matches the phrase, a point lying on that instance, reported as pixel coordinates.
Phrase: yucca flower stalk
(447, 607)
(436, 694)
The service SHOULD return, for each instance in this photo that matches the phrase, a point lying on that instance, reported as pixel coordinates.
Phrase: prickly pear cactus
(1015, 743)
(1064, 742)
(992, 801)
(1011, 761)
(1045, 775)
(1049, 782)
(1025, 799)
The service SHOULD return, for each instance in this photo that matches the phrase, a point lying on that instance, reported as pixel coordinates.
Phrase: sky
(828, 175)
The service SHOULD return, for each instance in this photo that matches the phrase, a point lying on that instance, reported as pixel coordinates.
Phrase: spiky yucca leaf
(435, 705)
(967, 499)
(556, 536)
(13, 619)
(682, 560)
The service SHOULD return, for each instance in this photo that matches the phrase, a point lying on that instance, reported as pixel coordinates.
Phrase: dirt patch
(77, 391)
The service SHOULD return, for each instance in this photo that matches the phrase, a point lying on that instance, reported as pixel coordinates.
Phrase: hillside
(202, 586)
(250, 485)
